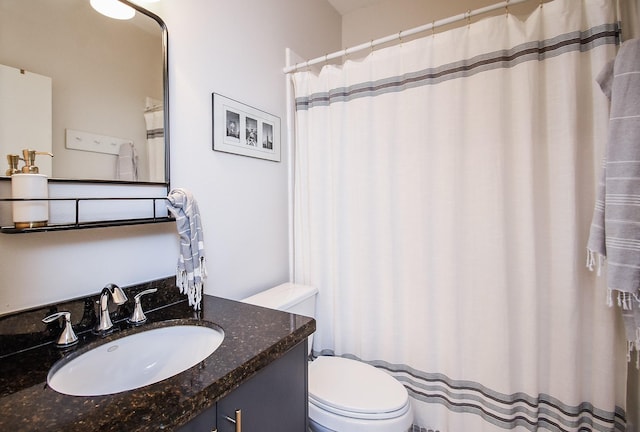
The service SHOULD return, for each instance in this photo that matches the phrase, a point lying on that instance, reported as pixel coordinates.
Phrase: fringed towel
(191, 270)
(615, 228)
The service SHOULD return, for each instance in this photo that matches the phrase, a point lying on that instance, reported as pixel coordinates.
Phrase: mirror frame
(91, 189)
(165, 83)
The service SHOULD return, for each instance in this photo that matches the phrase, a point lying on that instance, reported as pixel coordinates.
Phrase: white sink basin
(135, 361)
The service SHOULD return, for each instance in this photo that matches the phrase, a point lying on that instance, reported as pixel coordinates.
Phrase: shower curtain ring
(506, 9)
(468, 13)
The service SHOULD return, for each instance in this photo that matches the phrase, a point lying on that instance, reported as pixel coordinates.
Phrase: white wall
(364, 24)
(237, 50)
(222, 47)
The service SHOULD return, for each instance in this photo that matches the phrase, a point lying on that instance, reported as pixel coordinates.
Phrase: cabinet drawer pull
(237, 421)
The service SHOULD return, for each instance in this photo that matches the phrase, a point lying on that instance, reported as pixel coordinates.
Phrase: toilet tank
(289, 297)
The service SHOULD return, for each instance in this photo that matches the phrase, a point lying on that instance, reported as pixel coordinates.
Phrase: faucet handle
(138, 316)
(68, 336)
(117, 294)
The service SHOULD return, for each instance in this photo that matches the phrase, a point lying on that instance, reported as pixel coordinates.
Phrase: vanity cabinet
(273, 400)
(260, 369)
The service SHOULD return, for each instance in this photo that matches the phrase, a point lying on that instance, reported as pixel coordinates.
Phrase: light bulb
(113, 9)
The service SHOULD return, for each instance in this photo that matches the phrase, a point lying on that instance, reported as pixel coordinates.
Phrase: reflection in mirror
(87, 88)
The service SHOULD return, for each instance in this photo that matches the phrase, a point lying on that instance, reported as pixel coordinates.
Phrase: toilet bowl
(344, 395)
(348, 395)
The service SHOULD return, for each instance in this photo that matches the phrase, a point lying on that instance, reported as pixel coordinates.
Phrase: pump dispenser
(33, 189)
(13, 160)
(29, 158)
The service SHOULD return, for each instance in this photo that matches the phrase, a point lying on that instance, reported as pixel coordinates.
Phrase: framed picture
(244, 130)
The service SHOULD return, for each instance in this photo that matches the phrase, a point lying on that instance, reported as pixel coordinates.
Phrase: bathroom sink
(135, 361)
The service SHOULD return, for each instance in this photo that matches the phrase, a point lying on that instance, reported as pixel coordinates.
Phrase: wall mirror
(105, 81)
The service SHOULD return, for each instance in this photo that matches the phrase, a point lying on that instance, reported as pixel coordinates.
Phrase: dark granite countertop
(254, 337)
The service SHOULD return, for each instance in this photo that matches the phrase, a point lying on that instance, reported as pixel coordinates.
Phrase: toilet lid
(352, 387)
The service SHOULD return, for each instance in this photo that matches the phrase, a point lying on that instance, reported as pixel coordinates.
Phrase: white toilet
(344, 395)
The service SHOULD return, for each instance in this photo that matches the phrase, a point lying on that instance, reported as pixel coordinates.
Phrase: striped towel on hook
(191, 270)
(615, 228)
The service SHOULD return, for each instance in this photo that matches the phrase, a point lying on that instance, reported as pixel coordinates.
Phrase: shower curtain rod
(405, 33)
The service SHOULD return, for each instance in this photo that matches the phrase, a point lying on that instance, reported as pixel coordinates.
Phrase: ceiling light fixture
(113, 9)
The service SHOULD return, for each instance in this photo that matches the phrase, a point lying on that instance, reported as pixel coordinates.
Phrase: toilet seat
(358, 415)
(353, 389)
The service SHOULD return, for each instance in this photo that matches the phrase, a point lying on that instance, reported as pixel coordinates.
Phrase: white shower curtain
(443, 193)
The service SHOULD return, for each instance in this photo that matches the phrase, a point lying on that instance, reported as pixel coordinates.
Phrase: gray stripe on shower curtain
(532, 51)
(503, 410)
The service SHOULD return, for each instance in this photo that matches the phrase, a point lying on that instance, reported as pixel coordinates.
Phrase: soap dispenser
(29, 158)
(33, 188)
(13, 160)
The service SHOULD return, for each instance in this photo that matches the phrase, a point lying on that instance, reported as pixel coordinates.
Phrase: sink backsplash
(25, 330)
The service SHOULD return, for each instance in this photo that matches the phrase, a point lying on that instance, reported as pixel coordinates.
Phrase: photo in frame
(244, 130)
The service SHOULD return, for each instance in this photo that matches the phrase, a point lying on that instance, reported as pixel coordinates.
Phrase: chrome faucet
(118, 296)
(67, 336)
(138, 316)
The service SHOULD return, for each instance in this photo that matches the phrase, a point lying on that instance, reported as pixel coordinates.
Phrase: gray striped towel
(127, 163)
(191, 270)
(615, 228)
